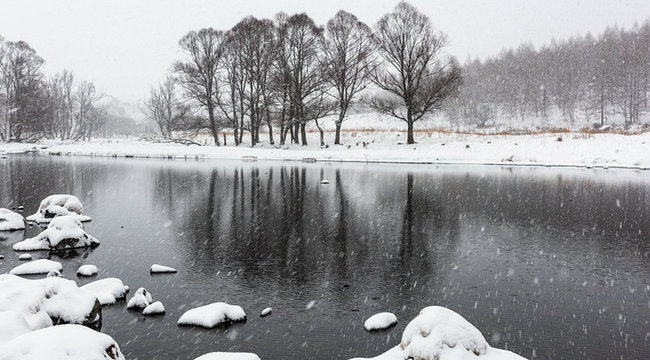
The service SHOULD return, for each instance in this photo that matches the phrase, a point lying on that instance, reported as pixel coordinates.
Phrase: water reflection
(536, 258)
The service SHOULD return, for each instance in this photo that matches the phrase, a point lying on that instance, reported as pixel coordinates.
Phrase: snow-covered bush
(63, 232)
(10, 220)
(58, 205)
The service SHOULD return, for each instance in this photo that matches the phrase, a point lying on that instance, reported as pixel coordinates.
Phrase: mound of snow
(10, 221)
(25, 257)
(438, 333)
(141, 299)
(156, 269)
(48, 301)
(40, 266)
(87, 270)
(61, 343)
(380, 321)
(154, 309)
(211, 315)
(228, 356)
(107, 291)
(63, 232)
(58, 205)
(54, 273)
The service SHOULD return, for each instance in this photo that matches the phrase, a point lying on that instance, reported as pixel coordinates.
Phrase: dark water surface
(550, 263)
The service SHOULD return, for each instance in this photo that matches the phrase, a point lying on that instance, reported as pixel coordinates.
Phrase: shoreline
(602, 151)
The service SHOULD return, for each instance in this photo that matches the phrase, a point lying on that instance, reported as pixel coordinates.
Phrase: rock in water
(63, 232)
(158, 269)
(380, 321)
(211, 315)
(154, 309)
(10, 221)
(58, 205)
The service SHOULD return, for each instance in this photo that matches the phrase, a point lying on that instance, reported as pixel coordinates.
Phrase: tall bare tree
(349, 58)
(198, 70)
(416, 76)
(165, 108)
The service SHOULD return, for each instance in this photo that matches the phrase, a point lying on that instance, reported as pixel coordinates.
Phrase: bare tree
(302, 50)
(198, 71)
(416, 77)
(164, 107)
(87, 115)
(348, 60)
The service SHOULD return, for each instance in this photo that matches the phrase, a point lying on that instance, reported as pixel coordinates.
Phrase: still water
(549, 263)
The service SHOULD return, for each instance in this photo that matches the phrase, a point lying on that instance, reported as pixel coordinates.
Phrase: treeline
(34, 106)
(279, 75)
(595, 79)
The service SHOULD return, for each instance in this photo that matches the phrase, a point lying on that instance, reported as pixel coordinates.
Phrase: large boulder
(63, 232)
(58, 205)
(10, 221)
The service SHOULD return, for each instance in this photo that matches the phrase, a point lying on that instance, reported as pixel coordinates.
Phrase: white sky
(125, 47)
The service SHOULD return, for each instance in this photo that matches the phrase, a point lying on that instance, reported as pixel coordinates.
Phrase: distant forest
(276, 76)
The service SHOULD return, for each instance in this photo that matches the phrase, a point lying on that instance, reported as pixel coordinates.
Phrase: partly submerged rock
(107, 291)
(267, 311)
(211, 315)
(63, 232)
(380, 321)
(155, 308)
(141, 299)
(438, 333)
(64, 342)
(160, 269)
(87, 270)
(58, 205)
(228, 356)
(40, 266)
(10, 221)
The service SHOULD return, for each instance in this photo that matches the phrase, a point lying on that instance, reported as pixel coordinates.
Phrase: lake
(549, 263)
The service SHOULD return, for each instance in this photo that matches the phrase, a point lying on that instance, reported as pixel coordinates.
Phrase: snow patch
(63, 232)
(10, 221)
(266, 311)
(211, 315)
(380, 321)
(25, 257)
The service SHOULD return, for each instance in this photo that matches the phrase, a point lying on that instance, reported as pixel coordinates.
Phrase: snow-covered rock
(266, 311)
(58, 205)
(380, 321)
(228, 356)
(154, 309)
(107, 291)
(25, 257)
(10, 221)
(212, 315)
(44, 302)
(141, 299)
(438, 333)
(157, 269)
(54, 273)
(40, 266)
(87, 270)
(64, 342)
(63, 232)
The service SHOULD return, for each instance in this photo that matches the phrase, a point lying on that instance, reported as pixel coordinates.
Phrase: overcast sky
(125, 47)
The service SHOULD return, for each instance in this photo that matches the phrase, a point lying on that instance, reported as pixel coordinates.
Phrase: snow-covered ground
(387, 144)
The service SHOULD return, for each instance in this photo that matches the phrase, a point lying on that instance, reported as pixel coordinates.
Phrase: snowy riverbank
(565, 149)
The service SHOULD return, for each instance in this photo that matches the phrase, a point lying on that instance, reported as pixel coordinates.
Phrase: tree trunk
(322, 136)
(303, 134)
(409, 132)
